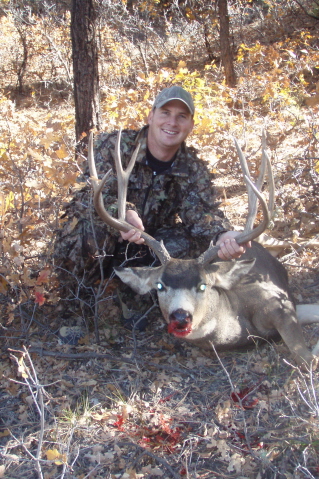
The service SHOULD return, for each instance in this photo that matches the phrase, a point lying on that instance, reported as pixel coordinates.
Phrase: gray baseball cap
(174, 93)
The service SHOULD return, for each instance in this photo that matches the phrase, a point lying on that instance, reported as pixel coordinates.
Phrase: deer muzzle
(180, 323)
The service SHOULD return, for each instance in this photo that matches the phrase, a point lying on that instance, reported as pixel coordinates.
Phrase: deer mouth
(180, 324)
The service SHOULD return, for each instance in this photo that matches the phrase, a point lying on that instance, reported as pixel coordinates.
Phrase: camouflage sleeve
(200, 212)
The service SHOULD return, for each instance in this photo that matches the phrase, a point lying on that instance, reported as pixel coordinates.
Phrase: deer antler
(122, 177)
(254, 193)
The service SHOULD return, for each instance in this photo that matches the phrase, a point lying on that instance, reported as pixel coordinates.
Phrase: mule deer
(208, 301)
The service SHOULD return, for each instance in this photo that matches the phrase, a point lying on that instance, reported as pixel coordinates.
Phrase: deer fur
(229, 304)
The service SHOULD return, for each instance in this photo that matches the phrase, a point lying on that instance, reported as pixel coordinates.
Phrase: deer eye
(201, 287)
(160, 286)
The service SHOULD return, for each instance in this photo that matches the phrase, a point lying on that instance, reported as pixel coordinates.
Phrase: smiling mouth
(171, 133)
(178, 329)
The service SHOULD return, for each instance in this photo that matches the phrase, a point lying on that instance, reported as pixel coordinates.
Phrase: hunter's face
(169, 125)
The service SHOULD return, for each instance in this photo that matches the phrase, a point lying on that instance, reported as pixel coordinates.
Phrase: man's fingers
(132, 236)
(229, 249)
(133, 218)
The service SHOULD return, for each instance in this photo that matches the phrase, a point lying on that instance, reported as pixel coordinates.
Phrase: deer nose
(181, 316)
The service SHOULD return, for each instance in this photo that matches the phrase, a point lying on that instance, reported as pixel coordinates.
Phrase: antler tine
(271, 181)
(252, 198)
(212, 252)
(123, 177)
(96, 184)
(254, 193)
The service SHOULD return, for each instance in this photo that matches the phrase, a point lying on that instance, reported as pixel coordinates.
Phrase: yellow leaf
(62, 152)
(4, 154)
(22, 369)
(79, 186)
(189, 14)
(56, 456)
(52, 454)
(181, 64)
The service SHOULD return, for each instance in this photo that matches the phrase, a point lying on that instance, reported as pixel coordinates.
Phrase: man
(170, 122)
(170, 195)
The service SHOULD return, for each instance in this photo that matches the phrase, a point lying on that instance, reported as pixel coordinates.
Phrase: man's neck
(162, 154)
(158, 167)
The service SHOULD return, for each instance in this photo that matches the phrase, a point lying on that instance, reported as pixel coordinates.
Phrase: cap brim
(162, 103)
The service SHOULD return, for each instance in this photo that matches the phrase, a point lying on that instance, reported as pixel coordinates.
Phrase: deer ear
(141, 280)
(230, 272)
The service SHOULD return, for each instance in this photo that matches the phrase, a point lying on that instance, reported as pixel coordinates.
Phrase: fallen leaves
(55, 456)
(39, 298)
(44, 276)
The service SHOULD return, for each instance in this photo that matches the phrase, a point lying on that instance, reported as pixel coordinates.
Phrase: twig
(100, 289)
(240, 401)
(308, 391)
(90, 474)
(153, 456)
(135, 325)
(300, 249)
(85, 356)
(32, 382)
(65, 464)
(302, 266)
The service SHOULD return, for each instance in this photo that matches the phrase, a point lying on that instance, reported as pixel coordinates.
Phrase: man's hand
(229, 248)
(133, 236)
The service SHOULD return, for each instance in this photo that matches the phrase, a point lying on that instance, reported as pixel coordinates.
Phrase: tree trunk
(22, 68)
(225, 48)
(85, 68)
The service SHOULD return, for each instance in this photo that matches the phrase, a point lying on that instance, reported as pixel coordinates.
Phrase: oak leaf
(39, 298)
(44, 276)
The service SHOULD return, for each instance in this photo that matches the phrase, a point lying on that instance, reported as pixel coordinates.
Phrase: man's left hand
(229, 248)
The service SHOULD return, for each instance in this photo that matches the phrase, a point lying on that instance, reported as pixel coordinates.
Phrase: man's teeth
(170, 132)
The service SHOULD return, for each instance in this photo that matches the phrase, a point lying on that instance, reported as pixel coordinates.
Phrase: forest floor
(143, 405)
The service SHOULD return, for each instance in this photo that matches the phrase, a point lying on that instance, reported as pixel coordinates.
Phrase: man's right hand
(133, 236)
(229, 248)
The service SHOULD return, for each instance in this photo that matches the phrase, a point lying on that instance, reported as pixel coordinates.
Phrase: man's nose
(173, 120)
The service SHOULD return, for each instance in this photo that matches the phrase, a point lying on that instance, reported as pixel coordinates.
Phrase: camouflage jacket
(182, 195)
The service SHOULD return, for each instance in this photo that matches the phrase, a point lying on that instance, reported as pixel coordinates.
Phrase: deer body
(229, 304)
